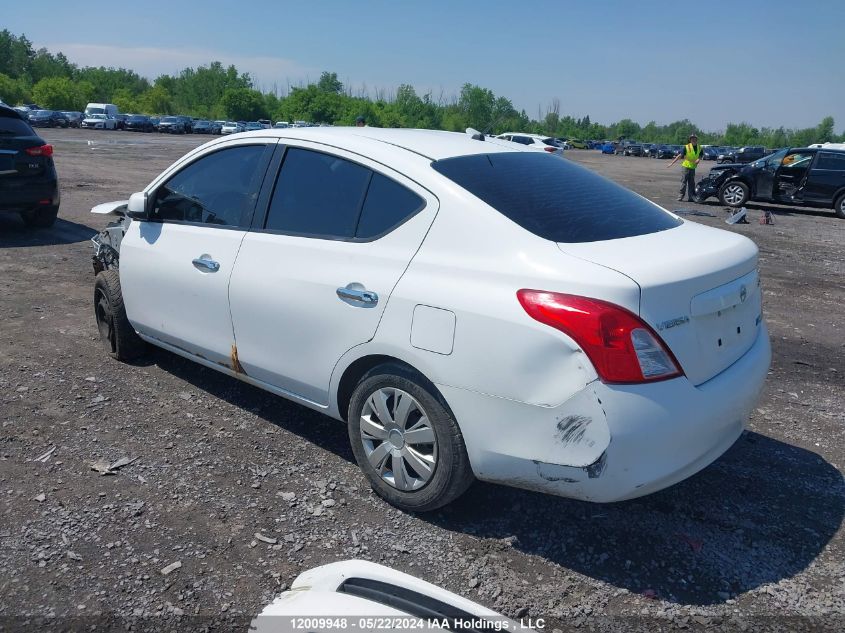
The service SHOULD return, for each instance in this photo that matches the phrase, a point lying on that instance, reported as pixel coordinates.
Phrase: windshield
(137, 117)
(95, 111)
(554, 198)
(97, 116)
(170, 119)
(771, 159)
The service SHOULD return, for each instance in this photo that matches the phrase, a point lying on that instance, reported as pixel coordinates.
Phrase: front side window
(797, 161)
(218, 189)
(317, 195)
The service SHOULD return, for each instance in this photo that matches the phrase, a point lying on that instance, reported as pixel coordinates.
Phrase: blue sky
(769, 62)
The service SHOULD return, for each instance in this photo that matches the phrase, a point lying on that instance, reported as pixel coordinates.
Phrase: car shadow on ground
(760, 514)
(307, 424)
(14, 233)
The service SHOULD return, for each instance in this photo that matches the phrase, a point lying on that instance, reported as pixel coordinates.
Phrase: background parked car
(120, 121)
(633, 150)
(252, 126)
(576, 144)
(187, 123)
(217, 126)
(171, 125)
(202, 127)
(47, 118)
(74, 119)
(647, 148)
(138, 123)
(663, 151)
(28, 181)
(534, 141)
(231, 127)
(99, 122)
(746, 154)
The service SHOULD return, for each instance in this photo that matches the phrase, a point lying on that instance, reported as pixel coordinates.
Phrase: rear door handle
(208, 264)
(358, 296)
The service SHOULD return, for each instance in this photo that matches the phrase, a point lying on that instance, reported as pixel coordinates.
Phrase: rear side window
(12, 126)
(387, 205)
(828, 160)
(317, 195)
(218, 189)
(554, 198)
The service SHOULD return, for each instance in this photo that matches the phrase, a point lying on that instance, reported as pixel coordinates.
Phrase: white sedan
(469, 309)
(536, 142)
(99, 122)
(231, 128)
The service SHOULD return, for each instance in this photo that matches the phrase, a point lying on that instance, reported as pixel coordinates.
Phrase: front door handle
(208, 264)
(358, 295)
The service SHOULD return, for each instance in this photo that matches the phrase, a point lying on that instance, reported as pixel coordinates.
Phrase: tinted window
(220, 189)
(829, 160)
(525, 140)
(387, 205)
(12, 126)
(318, 195)
(555, 198)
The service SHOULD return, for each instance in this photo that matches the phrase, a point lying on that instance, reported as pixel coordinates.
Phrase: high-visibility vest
(691, 155)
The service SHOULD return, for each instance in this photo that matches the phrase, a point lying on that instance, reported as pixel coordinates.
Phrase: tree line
(218, 92)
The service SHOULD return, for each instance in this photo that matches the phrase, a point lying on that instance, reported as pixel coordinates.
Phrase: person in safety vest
(692, 156)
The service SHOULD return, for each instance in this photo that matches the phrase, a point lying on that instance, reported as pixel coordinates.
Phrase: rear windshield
(554, 198)
(12, 126)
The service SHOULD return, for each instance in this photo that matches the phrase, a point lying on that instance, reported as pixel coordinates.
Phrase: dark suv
(812, 177)
(742, 155)
(28, 181)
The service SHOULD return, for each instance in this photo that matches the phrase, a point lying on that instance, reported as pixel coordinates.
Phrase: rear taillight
(550, 149)
(41, 150)
(621, 346)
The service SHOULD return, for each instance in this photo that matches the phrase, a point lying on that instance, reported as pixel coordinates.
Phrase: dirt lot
(754, 541)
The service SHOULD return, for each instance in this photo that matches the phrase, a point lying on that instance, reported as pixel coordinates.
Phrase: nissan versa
(470, 309)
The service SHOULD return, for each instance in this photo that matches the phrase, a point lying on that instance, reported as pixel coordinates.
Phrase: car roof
(431, 144)
(6, 111)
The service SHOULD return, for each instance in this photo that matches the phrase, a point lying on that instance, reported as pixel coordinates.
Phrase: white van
(109, 109)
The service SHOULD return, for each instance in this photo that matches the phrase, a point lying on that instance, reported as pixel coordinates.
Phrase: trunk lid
(699, 289)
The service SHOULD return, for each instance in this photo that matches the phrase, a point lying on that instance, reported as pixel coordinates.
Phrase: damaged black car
(812, 177)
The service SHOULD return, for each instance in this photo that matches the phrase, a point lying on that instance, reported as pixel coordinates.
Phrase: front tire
(734, 193)
(407, 441)
(839, 207)
(116, 333)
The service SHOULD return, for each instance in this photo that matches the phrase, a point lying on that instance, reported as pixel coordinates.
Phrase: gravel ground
(755, 541)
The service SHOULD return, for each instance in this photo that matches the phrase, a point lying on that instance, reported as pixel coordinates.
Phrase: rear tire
(431, 474)
(42, 218)
(734, 193)
(839, 207)
(116, 333)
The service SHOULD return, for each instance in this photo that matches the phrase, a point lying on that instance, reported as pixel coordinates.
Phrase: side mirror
(136, 208)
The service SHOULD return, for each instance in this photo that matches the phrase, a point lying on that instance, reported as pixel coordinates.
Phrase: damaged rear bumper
(657, 434)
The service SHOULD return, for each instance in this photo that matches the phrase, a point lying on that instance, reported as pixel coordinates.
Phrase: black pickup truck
(806, 176)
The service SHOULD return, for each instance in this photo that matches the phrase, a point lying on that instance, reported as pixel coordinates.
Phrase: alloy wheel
(398, 439)
(734, 194)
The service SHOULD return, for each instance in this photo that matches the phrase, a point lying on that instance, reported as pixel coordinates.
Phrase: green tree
(59, 93)
(329, 82)
(825, 132)
(15, 55)
(244, 104)
(13, 91)
(125, 100)
(156, 100)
